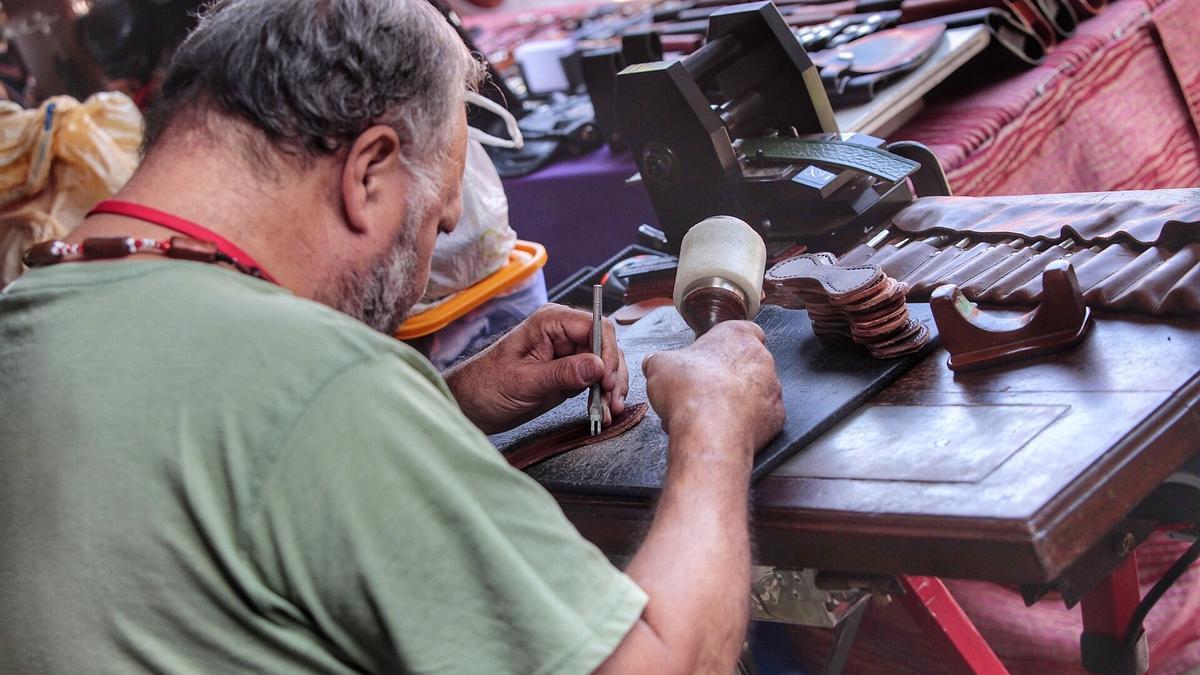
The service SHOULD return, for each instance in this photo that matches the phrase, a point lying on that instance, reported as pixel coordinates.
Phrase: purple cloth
(580, 209)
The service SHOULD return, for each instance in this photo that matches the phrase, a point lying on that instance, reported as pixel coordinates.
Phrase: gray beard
(382, 295)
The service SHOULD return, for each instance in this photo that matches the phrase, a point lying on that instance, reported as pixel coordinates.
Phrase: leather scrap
(859, 302)
(576, 436)
(874, 161)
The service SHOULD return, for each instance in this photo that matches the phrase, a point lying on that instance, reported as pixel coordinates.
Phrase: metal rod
(711, 56)
(739, 114)
(595, 403)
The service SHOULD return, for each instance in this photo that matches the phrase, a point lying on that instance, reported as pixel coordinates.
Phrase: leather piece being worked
(879, 163)
(572, 437)
(795, 281)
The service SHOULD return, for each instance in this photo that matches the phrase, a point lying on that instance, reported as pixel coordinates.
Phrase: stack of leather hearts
(861, 302)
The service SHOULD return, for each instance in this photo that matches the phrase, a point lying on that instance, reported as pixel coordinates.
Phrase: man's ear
(369, 176)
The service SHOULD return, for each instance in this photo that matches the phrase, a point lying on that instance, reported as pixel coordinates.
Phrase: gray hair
(312, 75)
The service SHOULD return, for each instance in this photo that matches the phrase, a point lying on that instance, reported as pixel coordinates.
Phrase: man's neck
(271, 223)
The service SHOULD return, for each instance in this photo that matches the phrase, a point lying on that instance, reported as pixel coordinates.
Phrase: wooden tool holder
(977, 339)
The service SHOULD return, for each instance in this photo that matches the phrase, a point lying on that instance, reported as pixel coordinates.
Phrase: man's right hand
(719, 400)
(724, 384)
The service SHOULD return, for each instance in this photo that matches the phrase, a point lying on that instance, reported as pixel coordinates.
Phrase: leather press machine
(743, 127)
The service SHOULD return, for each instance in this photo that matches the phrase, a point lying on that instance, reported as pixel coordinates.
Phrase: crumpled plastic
(477, 328)
(56, 162)
(482, 240)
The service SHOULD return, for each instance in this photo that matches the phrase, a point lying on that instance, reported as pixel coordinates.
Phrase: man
(208, 472)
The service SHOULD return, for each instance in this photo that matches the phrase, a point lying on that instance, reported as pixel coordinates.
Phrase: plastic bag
(57, 162)
(482, 240)
(474, 330)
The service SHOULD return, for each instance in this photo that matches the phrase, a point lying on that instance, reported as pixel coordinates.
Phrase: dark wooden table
(1019, 474)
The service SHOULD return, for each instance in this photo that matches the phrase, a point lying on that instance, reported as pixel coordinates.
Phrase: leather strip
(1027, 12)
(878, 163)
(575, 436)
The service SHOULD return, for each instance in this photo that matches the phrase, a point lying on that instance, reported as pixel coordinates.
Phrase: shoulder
(271, 327)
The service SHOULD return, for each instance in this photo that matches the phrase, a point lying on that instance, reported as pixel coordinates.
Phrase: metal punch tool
(595, 402)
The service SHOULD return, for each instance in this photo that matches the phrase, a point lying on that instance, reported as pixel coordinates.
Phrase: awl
(595, 403)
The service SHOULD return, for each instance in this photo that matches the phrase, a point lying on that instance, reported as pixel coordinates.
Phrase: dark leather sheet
(822, 383)
(1137, 217)
(1132, 251)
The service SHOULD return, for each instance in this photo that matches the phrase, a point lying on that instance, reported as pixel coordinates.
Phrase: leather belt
(879, 163)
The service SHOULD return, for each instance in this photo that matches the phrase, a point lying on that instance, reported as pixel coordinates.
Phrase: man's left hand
(542, 362)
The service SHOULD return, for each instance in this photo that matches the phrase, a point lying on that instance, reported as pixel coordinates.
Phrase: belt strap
(879, 163)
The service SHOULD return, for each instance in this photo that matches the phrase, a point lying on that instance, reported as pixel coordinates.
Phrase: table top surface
(1009, 474)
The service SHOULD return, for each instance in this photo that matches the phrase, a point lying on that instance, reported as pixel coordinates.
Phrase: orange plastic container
(526, 258)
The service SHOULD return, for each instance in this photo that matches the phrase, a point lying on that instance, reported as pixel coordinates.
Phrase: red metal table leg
(938, 615)
(1108, 607)
(1106, 613)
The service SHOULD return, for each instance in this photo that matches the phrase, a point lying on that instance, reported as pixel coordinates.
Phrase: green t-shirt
(200, 472)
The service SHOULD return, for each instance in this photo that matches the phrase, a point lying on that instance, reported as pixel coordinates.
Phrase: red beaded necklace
(197, 243)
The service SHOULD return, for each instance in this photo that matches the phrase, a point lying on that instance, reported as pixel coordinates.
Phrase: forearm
(695, 562)
(462, 381)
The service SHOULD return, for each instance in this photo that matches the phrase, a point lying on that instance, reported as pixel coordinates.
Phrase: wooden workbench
(1010, 475)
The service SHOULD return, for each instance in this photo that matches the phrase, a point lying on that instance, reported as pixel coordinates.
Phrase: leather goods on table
(565, 127)
(1048, 19)
(839, 31)
(854, 72)
(1134, 251)
(861, 303)
(822, 383)
(1013, 43)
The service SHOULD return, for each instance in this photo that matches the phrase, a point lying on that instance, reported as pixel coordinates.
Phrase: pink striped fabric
(1176, 25)
(1105, 112)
